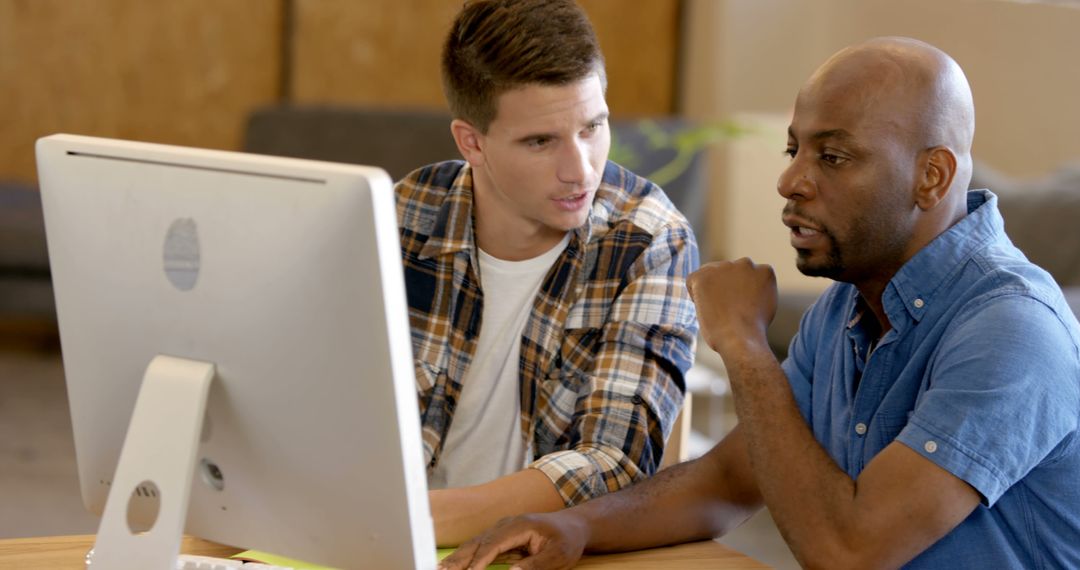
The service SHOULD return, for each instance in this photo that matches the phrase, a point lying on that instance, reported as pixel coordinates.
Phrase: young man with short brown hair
(551, 323)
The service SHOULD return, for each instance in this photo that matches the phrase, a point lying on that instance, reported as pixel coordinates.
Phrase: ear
(935, 178)
(469, 140)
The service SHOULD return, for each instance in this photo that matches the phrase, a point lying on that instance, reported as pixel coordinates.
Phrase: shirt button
(919, 303)
(930, 446)
(860, 428)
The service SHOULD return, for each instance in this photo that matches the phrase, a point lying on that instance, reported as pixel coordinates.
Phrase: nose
(795, 182)
(574, 166)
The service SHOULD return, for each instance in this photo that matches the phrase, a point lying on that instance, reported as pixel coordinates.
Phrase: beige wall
(752, 55)
(1021, 59)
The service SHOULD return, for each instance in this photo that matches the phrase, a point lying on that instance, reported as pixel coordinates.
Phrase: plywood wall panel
(385, 53)
(174, 72)
(382, 53)
(190, 72)
(640, 39)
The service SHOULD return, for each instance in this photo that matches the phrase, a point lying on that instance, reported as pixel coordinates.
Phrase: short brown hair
(498, 45)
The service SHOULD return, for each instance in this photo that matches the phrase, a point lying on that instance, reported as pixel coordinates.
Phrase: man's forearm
(691, 501)
(665, 509)
(460, 514)
(695, 500)
(810, 498)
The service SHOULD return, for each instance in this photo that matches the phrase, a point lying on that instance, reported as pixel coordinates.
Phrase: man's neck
(512, 246)
(507, 238)
(871, 294)
(873, 287)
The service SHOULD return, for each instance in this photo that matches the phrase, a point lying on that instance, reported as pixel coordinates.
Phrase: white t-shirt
(484, 441)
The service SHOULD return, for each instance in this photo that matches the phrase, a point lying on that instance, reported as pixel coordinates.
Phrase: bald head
(908, 87)
(880, 146)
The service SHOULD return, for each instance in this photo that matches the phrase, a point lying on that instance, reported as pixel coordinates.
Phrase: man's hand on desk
(553, 540)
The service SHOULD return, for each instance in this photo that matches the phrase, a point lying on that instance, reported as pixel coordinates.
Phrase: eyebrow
(600, 117)
(839, 134)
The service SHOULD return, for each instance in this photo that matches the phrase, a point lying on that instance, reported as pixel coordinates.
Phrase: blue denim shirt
(980, 374)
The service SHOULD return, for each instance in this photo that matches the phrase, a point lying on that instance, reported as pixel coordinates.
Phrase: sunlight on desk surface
(68, 552)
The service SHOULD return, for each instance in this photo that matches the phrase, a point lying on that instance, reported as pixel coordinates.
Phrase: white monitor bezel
(332, 227)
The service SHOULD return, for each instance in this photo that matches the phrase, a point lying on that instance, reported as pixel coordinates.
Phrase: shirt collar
(608, 196)
(453, 231)
(916, 287)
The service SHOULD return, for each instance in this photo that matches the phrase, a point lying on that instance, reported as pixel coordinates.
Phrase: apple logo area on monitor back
(226, 373)
(181, 256)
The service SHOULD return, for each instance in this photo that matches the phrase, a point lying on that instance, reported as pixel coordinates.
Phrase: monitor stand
(160, 450)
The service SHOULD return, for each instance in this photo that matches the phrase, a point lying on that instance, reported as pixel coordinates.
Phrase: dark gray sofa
(27, 310)
(402, 140)
(1039, 214)
(396, 140)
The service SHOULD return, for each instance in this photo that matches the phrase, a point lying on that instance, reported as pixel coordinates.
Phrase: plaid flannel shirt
(605, 349)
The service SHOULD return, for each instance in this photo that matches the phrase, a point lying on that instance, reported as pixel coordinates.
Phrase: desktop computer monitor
(237, 353)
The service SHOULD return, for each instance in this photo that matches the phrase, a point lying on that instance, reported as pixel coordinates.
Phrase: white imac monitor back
(285, 275)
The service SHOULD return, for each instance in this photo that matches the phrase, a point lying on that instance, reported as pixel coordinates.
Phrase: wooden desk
(68, 552)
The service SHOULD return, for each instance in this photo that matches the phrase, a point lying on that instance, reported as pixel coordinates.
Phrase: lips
(803, 234)
(572, 202)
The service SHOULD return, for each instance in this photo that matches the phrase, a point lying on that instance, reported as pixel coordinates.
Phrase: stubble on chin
(831, 267)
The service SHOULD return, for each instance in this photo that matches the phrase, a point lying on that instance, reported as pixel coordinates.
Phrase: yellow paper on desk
(267, 558)
(444, 552)
(275, 560)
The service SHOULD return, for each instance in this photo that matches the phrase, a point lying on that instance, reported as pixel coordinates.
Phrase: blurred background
(197, 73)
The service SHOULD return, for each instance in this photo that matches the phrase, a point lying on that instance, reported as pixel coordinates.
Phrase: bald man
(927, 413)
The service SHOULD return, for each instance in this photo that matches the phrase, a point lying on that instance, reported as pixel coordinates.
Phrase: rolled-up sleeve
(1004, 393)
(624, 408)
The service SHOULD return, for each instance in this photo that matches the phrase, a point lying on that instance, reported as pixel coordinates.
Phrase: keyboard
(193, 562)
